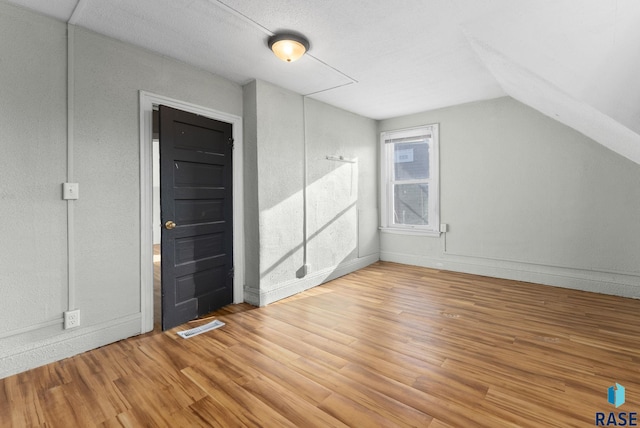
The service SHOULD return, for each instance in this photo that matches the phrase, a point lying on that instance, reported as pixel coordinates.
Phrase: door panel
(196, 194)
(199, 247)
(191, 174)
(190, 212)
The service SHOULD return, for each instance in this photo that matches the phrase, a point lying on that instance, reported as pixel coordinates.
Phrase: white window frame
(387, 182)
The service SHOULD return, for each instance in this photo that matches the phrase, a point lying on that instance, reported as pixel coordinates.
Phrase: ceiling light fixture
(288, 47)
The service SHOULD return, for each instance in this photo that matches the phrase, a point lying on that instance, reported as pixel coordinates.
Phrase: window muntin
(411, 204)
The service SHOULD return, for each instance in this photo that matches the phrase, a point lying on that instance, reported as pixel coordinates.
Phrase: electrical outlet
(72, 319)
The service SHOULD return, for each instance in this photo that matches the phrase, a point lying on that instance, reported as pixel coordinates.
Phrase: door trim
(147, 101)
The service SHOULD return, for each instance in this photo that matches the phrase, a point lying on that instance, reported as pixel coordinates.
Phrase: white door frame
(147, 102)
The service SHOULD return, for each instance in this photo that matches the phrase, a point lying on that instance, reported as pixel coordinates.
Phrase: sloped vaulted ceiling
(576, 61)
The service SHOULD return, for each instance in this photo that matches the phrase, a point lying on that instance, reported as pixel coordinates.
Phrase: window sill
(409, 231)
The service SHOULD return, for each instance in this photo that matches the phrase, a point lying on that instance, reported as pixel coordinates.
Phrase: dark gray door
(197, 215)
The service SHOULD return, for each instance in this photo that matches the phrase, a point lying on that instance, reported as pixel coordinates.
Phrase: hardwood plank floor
(390, 345)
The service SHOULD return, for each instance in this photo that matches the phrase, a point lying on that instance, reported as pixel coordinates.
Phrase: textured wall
(525, 195)
(335, 195)
(106, 226)
(251, 207)
(33, 259)
(109, 75)
(339, 192)
(280, 182)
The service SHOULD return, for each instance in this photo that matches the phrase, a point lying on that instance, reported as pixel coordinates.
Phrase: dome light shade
(288, 47)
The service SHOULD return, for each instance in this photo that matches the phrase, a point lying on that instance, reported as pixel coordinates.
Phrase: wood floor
(390, 345)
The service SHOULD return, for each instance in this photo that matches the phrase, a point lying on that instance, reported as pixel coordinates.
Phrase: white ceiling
(577, 61)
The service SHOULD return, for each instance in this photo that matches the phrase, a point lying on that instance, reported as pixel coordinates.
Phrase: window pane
(411, 204)
(411, 160)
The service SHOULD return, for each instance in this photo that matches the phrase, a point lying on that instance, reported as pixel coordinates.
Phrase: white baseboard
(617, 284)
(252, 296)
(68, 344)
(287, 289)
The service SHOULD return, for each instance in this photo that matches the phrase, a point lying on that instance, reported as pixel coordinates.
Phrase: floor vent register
(201, 329)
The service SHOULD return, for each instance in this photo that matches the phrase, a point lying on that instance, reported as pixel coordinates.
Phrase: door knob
(170, 225)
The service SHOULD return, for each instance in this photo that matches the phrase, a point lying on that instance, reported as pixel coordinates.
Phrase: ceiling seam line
(271, 33)
(77, 11)
(328, 89)
(245, 17)
(333, 68)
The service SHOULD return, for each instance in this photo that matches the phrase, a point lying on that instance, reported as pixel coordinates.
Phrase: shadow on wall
(331, 221)
(311, 238)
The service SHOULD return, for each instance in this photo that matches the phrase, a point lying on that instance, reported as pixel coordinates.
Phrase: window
(409, 178)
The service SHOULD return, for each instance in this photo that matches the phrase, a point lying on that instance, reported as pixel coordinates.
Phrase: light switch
(70, 191)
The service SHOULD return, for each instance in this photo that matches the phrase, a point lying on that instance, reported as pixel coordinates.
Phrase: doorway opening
(157, 240)
(150, 240)
(196, 215)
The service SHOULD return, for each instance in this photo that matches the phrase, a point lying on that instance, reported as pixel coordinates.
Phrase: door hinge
(232, 272)
(231, 142)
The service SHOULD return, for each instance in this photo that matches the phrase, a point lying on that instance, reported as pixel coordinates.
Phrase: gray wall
(340, 197)
(105, 229)
(528, 198)
(33, 260)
